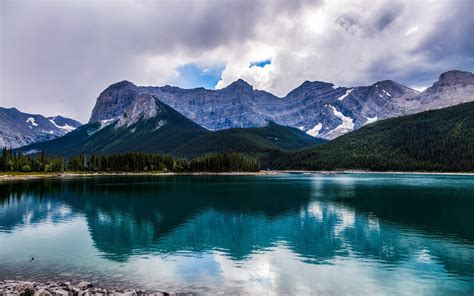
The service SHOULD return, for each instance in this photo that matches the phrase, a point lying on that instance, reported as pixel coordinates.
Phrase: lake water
(362, 234)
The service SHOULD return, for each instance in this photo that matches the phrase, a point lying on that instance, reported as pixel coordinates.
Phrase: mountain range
(318, 108)
(190, 122)
(19, 129)
(159, 128)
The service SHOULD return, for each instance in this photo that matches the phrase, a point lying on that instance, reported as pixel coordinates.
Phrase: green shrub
(26, 168)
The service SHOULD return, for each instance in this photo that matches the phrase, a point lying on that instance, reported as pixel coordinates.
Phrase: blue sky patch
(260, 64)
(192, 76)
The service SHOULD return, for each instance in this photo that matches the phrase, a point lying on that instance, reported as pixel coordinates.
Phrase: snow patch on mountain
(32, 121)
(386, 92)
(347, 124)
(106, 122)
(315, 130)
(345, 95)
(370, 119)
(160, 124)
(65, 127)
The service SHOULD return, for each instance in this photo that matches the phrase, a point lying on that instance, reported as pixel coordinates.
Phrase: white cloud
(412, 30)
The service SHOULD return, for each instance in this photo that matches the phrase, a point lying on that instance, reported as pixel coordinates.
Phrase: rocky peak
(452, 88)
(314, 87)
(386, 83)
(121, 85)
(454, 77)
(122, 99)
(315, 84)
(392, 89)
(452, 81)
(113, 101)
(240, 84)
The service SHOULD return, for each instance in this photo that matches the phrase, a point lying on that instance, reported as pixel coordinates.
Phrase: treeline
(223, 162)
(438, 140)
(16, 161)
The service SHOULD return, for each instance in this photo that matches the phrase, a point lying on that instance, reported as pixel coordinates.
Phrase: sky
(57, 56)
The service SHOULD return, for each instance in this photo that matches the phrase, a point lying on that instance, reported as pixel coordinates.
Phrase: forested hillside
(249, 140)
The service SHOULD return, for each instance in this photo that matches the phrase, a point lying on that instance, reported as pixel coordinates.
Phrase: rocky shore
(10, 287)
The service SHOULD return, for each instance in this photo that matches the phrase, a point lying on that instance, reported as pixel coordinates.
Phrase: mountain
(325, 111)
(318, 108)
(452, 88)
(125, 119)
(130, 117)
(154, 128)
(19, 129)
(436, 140)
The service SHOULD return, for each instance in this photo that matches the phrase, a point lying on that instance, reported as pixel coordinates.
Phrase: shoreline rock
(31, 288)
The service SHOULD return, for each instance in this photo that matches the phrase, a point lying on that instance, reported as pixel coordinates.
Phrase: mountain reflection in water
(409, 223)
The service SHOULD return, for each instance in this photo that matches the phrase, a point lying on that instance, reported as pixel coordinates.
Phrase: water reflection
(259, 224)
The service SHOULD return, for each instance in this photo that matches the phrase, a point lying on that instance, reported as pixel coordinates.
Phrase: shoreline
(18, 176)
(16, 287)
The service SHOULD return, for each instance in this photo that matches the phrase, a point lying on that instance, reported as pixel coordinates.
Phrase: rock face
(324, 111)
(18, 129)
(452, 88)
(122, 102)
(318, 108)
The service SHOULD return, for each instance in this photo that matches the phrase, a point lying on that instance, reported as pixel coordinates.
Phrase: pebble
(24, 288)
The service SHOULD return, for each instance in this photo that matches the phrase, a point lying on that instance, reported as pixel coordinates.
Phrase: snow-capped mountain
(323, 110)
(320, 109)
(18, 129)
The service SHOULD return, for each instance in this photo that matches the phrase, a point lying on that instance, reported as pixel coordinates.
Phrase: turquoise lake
(293, 234)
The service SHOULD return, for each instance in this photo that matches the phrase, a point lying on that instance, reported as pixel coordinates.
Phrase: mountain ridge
(166, 131)
(318, 108)
(19, 128)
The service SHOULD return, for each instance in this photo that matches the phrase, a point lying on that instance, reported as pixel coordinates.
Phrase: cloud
(57, 56)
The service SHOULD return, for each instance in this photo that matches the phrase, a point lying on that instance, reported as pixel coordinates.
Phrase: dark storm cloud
(57, 56)
(63, 53)
(388, 16)
(454, 34)
(362, 24)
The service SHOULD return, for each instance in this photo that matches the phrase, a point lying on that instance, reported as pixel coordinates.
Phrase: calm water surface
(288, 234)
